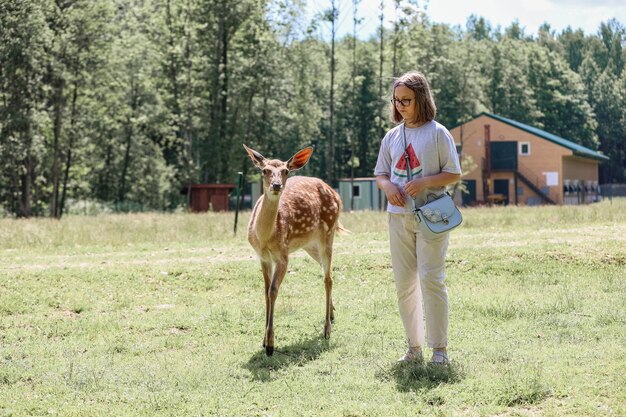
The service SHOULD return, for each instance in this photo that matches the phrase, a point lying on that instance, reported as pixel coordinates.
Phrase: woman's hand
(395, 196)
(415, 186)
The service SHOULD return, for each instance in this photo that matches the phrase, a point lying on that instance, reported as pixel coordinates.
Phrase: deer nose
(277, 186)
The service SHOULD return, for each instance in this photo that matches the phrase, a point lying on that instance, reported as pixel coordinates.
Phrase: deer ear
(299, 159)
(257, 158)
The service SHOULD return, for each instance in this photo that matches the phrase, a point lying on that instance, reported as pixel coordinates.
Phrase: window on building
(524, 148)
(356, 190)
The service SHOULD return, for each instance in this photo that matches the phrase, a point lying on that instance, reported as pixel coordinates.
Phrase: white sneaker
(412, 354)
(440, 358)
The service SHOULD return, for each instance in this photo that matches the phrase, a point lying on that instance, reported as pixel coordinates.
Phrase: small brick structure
(205, 197)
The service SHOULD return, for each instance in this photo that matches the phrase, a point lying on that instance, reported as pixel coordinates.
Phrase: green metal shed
(366, 194)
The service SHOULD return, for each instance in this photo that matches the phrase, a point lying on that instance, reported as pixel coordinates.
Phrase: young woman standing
(418, 262)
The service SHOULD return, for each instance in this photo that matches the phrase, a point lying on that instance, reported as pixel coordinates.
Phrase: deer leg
(266, 268)
(277, 279)
(315, 254)
(328, 283)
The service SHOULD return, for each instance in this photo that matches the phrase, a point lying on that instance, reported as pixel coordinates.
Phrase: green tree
(508, 90)
(608, 95)
(478, 28)
(128, 102)
(77, 41)
(573, 42)
(24, 38)
(560, 97)
(613, 36)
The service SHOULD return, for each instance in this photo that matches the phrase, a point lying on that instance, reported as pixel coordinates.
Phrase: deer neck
(266, 218)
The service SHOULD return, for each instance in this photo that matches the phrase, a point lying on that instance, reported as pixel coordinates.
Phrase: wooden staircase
(544, 197)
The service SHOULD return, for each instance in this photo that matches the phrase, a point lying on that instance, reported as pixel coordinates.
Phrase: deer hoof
(269, 350)
(327, 329)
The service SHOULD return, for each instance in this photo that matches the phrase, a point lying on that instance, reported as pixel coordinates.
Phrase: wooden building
(205, 197)
(514, 163)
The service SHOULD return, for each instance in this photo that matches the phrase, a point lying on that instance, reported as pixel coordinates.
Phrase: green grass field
(163, 315)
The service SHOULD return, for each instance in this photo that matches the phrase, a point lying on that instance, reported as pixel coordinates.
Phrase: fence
(613, 190)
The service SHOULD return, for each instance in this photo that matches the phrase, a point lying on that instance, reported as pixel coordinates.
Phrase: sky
(531, 14)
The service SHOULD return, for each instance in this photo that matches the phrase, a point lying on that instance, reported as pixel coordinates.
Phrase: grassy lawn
(163, 314)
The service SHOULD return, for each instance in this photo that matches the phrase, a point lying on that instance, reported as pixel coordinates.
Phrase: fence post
(239, 184)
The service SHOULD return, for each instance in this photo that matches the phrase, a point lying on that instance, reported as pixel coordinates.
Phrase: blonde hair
(425, 104)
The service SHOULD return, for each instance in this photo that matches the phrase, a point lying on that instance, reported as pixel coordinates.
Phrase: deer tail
(340, 229)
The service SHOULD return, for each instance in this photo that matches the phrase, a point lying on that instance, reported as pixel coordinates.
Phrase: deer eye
(285, 171)
(266, 172)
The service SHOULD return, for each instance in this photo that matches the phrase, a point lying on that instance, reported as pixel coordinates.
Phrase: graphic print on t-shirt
(414, 163)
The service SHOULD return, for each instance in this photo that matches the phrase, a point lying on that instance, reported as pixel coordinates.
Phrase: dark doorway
(502, 187)
(470, 196)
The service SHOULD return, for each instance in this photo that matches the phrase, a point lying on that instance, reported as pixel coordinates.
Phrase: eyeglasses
(404, 102)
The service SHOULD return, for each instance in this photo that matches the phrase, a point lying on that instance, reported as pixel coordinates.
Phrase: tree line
(124, 103)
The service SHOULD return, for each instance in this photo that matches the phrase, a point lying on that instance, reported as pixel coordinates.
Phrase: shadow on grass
(299, 353)
(418, 376)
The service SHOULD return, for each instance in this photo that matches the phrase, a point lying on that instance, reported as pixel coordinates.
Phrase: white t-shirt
(431, 151)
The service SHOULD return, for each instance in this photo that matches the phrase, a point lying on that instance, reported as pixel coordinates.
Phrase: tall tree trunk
(354, 132)
(188, 92)
(330, 163)
(215, 139)
(26, 186)
(72, 137)
(355, 21)
(15, 186)
(173, 151)
(172, 69)
(57, 123)
(264, 114)
(224, 92)
(26, 177)
(105, 183)
(380, 69)
(129, 142)
(396, 31)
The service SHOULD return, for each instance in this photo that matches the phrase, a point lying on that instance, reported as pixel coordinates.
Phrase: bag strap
(408, 165)
(438, 154)
(408, 170)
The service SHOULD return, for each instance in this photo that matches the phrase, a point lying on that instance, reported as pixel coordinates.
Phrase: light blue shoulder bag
(439, 214)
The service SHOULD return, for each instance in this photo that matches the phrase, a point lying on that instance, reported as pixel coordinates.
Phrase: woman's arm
(393, 192)
(417, 185)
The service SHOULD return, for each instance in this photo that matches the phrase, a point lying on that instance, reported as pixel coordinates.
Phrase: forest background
(121, 104)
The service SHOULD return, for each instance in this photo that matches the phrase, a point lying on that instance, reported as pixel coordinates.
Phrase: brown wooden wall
(209, 196)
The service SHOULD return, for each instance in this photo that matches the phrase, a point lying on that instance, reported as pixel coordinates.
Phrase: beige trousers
(419, 272)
